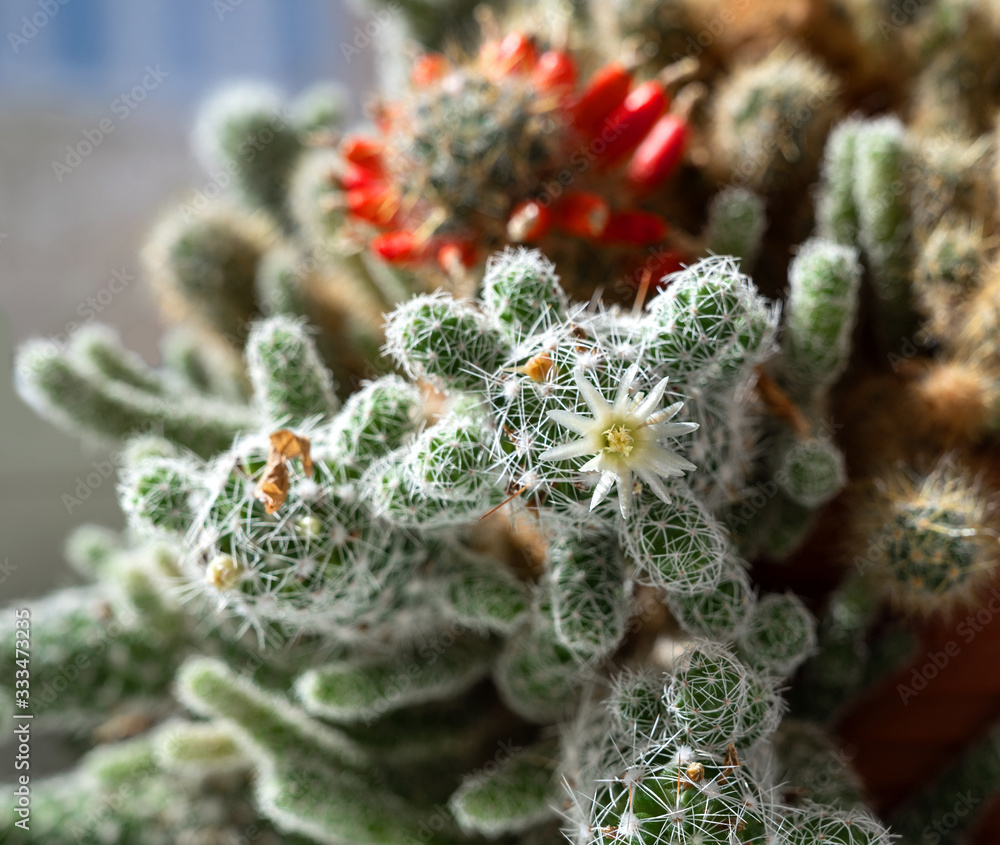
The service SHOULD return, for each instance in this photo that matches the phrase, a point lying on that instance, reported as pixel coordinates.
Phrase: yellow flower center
(619, 440)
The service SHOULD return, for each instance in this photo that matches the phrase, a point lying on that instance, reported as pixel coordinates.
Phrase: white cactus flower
(623, 438)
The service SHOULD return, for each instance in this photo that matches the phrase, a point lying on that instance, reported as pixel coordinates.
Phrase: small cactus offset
(516, 463)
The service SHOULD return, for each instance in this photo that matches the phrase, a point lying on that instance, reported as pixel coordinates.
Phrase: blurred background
(72, 221)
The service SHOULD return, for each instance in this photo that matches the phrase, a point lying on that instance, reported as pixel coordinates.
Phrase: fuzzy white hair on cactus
(623, 438)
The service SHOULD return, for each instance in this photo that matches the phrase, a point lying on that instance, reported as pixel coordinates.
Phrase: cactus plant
(668, 345)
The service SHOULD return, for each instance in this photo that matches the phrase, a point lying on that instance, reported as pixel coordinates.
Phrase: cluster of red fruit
(623, 127)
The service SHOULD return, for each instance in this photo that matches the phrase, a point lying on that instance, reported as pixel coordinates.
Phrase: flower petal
(664, 415)
(625, 485)
(651, 402)
(591, 394)
(621, 400)
(666, 462)
(574, 422)
(669, 429)
(655, 484)
(602, 489)
(565, 451)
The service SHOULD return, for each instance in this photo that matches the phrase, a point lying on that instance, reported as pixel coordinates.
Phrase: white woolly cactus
(360, 538)
(438, 539)
(290, 382)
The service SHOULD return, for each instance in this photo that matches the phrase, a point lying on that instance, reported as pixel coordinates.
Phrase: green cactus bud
(280, 282)
(512, 797)
(709, 324)
(290, 382)
(90, 548)
(880, 188)
(588, 595)
(265, 725)
(98, 349)
(720, 612)
(311, 781)
(246, 130)
(477, 591)
(450, 461)
(208, 368)
(636, 703)
(836, 206)
(522, 292)
(159, 493)
(716, 701)
(677, 547)
(770, 120)
(537, 676)
(811, 471)
(444, 341)
(116, 657)
(56, 386)
(198, 748)
(320, 108)
(824, 281)
(780, 635)
(206, 265)
(444, 665)
(812, 824)
(736, 223)
(378, 419)
(391, 491)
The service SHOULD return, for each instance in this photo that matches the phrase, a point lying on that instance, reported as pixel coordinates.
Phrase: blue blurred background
(68, 224)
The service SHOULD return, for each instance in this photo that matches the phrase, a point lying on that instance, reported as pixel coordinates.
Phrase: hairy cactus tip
(624, 439)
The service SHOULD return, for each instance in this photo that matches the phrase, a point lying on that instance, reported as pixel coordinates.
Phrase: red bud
(374, 202)
(363, 151)
(555, 72)
(581, 213)
(397, 247)
(604, 93)
(629, 122)
(355, 176)
(659, 154)
(428, 69)
(635, 227)
(456, 255)
(528, 222)
(515, 53)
